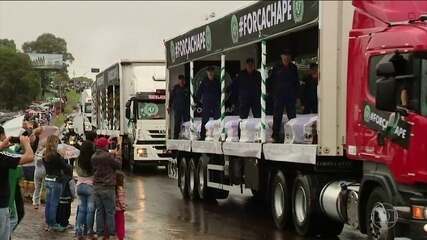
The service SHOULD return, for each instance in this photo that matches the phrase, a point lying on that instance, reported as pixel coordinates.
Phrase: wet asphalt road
(156, 210)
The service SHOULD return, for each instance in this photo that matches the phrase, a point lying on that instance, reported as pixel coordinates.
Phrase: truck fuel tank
(339, 200)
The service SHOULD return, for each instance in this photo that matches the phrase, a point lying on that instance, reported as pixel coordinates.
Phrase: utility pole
(60, 95)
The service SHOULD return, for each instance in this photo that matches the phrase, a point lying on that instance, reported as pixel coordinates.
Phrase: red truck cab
(387, 104)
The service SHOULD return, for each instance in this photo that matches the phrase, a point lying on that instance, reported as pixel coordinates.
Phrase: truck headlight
(141, 152)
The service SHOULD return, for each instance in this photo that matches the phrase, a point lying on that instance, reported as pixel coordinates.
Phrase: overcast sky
(100, 33)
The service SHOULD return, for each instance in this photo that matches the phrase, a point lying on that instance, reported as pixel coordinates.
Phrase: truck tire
(307, 218)
(172, 168)
(126, 154)
(280, 201)
(205, 193)
(169, 169)
(377, 196)
(193, 180)
(132, 165)
(183, 177)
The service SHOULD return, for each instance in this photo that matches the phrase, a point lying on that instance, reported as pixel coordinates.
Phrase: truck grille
(164, 155)
(157, 136)
(160, 147)
(157, 133)
(151, 142)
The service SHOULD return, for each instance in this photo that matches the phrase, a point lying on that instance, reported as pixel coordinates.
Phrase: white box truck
(129, 100)
(86, 108)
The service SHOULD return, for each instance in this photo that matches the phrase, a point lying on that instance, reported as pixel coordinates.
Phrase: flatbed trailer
(361, 162)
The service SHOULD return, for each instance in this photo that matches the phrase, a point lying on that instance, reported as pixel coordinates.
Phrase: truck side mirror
(386, 88)
(385, 70)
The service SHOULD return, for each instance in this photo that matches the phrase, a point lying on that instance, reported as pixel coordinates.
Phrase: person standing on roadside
(28, 169)
(85, 189)
(16, 202)
(105, 165)
(9, 161)
(26, 128)
(40, 171)
(55, 166)
(120, 206)
(67, 197)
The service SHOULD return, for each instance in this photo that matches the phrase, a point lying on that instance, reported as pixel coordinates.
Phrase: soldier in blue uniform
(309, 90)
(179, 102)
(248, 88)
(285, 91)
(209, 95)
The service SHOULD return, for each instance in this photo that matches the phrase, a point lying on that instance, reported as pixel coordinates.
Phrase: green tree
(81, 83)
(29, 88)
(49, 43)
(19, 83)
(59, 79)
(8, 43)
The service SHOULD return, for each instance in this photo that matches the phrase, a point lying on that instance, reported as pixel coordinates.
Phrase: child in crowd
(120, 206)
(67, 197)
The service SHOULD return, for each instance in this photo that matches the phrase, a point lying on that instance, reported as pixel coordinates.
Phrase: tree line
(20, 83)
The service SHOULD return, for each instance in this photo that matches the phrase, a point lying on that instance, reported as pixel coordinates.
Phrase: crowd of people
(98, 186)
(282, 94)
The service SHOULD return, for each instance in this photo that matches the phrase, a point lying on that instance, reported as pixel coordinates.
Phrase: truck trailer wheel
(306, 215)
(303, 206)
(183, 177)
(205, 193)
(126, 154)
(280, 201)
(193, 180)
(376, 210)
(132, 165)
